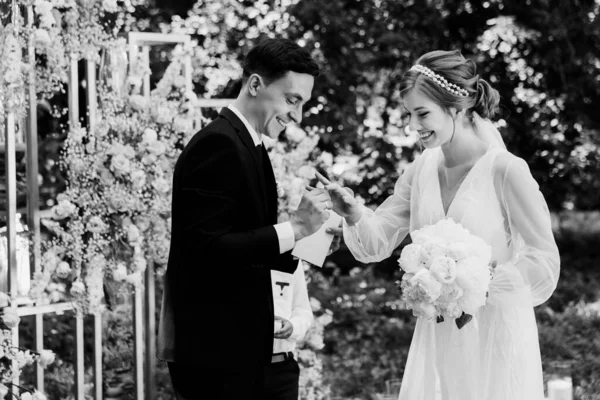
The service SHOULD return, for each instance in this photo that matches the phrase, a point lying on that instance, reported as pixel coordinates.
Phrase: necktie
(259, 151)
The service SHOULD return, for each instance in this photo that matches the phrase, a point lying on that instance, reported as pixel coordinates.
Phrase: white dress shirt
(285, 232)
(290, 301)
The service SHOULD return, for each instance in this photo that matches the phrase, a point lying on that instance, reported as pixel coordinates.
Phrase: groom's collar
(238, 117)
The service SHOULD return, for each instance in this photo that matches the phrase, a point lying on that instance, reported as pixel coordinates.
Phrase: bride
(465, 173)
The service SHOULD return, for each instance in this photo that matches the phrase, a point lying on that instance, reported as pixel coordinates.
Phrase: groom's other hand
(311, 213)
(342, 199)
(285, 331)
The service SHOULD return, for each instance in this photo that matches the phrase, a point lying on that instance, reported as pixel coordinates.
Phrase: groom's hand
(342, 199)
(285, 331)
(311, 213)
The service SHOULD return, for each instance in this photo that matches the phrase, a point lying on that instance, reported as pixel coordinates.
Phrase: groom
(217, 324)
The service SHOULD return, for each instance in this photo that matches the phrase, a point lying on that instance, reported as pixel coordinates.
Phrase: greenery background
(542, 56)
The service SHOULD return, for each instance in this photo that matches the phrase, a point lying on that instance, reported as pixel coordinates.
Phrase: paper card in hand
(314, 248)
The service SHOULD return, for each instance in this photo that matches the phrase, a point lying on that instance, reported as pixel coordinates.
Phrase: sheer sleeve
(532, 274)
(375, 236)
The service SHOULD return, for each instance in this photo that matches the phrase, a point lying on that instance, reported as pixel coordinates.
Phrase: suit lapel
(246, 139)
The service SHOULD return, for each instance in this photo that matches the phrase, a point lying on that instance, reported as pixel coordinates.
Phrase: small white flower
(63, 270)
(134, 279)
(77, 288)
(149, 136)
(96, 225)
(46, 358)
(10, 317)
(110, 6)
(138, 102)
(157, 147)
(133, 233)
(39, 396)
(120, 272)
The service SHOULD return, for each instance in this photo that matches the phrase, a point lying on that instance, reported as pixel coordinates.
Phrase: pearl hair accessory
(440, 81)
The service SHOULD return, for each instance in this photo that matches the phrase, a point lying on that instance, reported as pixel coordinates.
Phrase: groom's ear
(254, 84)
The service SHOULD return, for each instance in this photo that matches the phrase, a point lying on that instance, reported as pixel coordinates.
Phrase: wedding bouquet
(448, 272)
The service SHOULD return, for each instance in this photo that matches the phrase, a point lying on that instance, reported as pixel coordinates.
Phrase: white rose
(142, 222)
(157, 147)
(432, 250)
(325, 319)
(4, 302)
(106, 177)
(182, 124)
(295, 133)
(471, 300)
(162, 115)
(424, 310)
(47, 357)
(427, 288)
(138, 102)
(63, 209)
(472, 273)
(306, 172)
(443, 269)
(63, 270)
(458, 250)
(133, 233)
(55, 297)
(110, 6)
(410, 258)
(161, 185)
(77, 288)
(120, 272)
(450, 293)
(120, 164)
(149, 136)
(179, 81)
(149, 159)
(96, 225)
(138, 179)
(41, 37)
(10, 318)
(117, 203)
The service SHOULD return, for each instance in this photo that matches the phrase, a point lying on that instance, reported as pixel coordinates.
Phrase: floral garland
(114, 217)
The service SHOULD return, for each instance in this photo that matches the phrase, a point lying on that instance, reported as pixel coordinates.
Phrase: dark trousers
(281, 380)
(193, 383)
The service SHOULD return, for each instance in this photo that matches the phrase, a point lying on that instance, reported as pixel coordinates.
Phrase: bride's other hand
(342, 199)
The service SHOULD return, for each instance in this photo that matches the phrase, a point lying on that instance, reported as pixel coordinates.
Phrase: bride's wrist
(354, 218)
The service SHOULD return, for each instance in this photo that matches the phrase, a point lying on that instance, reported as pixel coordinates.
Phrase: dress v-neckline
(446, 212)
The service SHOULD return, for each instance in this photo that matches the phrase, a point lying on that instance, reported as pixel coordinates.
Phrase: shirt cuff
(285, 234)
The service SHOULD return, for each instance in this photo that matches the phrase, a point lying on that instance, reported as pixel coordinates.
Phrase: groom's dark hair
(273, 58)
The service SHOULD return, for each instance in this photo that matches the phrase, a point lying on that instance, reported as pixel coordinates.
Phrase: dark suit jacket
(218, 306)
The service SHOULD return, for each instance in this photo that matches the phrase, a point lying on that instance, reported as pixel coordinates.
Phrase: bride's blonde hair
(451, 80)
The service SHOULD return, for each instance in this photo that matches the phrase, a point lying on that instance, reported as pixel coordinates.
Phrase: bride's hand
(342, 199)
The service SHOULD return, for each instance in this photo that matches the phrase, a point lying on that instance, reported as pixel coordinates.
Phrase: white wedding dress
(496, 356)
